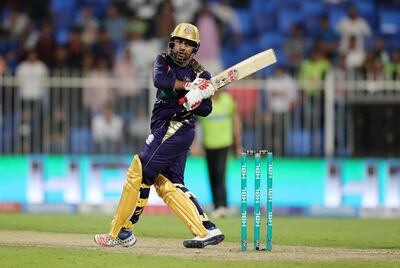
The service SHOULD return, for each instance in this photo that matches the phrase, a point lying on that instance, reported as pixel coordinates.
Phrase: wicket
(257, 199)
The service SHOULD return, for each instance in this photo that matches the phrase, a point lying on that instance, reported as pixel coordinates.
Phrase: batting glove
(193, 99)
(195, 83)
(207, 89)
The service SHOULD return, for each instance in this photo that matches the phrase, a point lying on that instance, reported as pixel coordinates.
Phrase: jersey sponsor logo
(149, 139)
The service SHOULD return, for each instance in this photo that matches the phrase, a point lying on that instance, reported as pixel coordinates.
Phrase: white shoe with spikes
(125, 238)
(214, 237)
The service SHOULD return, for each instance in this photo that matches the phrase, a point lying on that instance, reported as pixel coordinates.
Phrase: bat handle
(182, 100)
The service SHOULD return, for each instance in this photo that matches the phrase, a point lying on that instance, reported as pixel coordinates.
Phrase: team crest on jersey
(149, 139)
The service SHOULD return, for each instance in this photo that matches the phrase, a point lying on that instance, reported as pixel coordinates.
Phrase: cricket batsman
(162, 161)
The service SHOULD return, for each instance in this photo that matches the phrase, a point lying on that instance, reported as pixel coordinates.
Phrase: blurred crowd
(102, 39)
(82, 35)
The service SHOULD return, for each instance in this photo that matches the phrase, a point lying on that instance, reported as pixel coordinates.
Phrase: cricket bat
(241, 69)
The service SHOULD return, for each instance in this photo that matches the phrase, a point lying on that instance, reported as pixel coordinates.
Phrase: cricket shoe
(214, 237)
(125, 238)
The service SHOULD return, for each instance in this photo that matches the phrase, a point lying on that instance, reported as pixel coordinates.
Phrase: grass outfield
(367, 236)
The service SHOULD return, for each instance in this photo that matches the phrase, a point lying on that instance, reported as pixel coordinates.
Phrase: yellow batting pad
(129, 197)
(182, 206)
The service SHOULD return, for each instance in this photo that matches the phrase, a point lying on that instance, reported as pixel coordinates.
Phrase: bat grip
(182, 100)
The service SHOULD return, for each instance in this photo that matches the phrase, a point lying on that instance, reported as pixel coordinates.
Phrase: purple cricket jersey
(172, 127)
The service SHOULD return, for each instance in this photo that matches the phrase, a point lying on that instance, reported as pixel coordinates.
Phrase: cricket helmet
(188, 32)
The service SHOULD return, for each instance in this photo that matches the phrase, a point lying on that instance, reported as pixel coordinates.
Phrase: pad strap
(141, 203)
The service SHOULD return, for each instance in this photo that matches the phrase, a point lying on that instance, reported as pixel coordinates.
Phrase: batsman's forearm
(179, 85)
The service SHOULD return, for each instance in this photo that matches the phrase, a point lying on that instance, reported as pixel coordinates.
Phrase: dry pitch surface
(174, 248)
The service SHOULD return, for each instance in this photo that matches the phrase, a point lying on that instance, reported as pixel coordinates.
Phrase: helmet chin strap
(185, 63)
(179, 62)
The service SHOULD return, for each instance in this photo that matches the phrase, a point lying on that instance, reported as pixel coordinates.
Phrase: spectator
(61, 64)
(380, 50)
(12, 61)
(165, 20)
(341, 75)
(343, 113)
(185, 9)
(15, 23)
(46, 45)
(282, 93)
(82, 112)
(9, 49)
(30, 36)
(355, 55)
(374, 71)
(104, 47)
(97, 87)
(57, 132)
(312, 75)
(295, 47)
(353, 25)
(210, 49)
(31, 76)
(377, 70)
(221, 131)
(247, 103)
(126, 72)
(23, 138)
(145, 9)
(107, 131)
(3, 65)
(88, 25)
(142, 52)
(393, 69)
(88, 63)
(115, 24)
(313, 71)
(135, 24)
(363, 72)
(128, 94)
(232, 29)
(75, 48)
(131, 99)
(328, 37)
